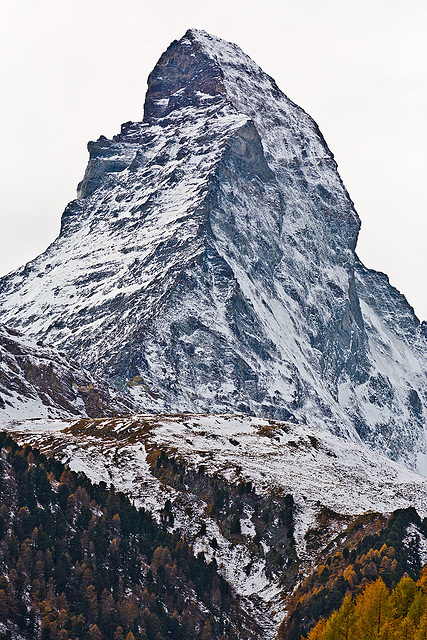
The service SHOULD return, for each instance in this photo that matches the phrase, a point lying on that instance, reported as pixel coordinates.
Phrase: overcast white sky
(72, 70)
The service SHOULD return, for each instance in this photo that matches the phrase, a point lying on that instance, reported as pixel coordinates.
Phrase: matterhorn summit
(208, 265)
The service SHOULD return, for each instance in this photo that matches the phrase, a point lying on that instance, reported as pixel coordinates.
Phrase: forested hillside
(377, 550)
(79, 562)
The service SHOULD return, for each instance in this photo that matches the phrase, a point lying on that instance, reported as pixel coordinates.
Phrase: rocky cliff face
(39, 382)
(209, 264)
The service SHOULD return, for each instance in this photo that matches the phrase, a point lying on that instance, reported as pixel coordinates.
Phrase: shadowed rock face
(185, 76)
(209, 264)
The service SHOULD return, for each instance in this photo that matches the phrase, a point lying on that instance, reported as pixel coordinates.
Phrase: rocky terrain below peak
(38, 381)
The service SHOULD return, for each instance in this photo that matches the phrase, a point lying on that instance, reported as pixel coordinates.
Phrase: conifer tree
(341, 624)
(371, 610)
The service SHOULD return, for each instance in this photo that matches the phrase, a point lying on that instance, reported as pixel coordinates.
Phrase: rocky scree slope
(208, 264)
(37, 381)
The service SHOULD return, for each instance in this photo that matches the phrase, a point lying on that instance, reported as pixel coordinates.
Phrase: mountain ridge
(208, 265)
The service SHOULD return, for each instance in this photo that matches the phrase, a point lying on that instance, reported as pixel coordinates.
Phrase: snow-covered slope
(209, 264)
(38, 381)
(317, 467)
(191, 459)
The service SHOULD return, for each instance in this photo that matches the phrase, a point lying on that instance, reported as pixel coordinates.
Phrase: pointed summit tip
(197, 33)
(187, 74)
(201, 69)
(211, 42)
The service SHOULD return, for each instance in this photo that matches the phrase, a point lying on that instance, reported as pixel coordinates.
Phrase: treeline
(272, 516)
(79, 562)
(388, 554)
(379, 613)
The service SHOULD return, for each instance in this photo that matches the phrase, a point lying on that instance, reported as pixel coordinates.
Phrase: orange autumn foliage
(379, 614)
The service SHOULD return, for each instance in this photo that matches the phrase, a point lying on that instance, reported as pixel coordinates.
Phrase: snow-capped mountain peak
(209, 264)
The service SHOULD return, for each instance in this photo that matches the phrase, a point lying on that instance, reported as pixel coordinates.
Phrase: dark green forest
(79, 562)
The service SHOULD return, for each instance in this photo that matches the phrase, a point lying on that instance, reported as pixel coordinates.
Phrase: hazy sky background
(72, 70)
